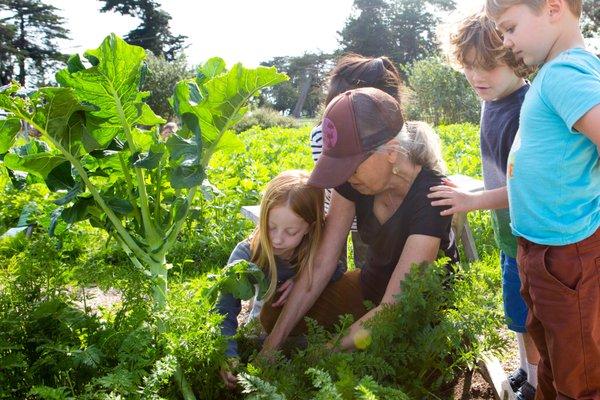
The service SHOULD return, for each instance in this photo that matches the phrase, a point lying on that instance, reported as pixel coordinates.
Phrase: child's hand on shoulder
(450, 195)
(284, 291)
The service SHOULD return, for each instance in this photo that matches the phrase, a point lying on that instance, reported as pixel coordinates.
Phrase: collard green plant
(104, 152)
(237, 278)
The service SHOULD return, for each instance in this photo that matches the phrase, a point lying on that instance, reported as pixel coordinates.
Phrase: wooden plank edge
(492, 371)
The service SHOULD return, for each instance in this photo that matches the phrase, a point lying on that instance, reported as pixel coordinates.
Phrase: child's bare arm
(589, 124)
(463, 201)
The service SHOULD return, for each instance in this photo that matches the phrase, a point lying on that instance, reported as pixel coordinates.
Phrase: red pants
(561, 286)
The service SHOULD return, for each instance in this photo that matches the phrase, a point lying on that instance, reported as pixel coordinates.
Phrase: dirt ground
(481, 389)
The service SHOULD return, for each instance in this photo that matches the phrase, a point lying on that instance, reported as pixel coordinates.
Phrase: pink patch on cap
(329, 134)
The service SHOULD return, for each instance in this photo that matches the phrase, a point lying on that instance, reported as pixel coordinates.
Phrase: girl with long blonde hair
(283, 244)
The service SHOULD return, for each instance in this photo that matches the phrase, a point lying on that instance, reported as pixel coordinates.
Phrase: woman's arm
(417, 249)
(302, 297)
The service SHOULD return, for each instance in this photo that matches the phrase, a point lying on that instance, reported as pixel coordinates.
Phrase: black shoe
(516, 379)
(525, 392)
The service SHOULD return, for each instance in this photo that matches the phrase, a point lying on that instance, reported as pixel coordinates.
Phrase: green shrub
(440, 94)
(160, 81)
(460, 148)
(265, 118)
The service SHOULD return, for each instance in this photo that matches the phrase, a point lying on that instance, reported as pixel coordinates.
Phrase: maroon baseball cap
(355, 123)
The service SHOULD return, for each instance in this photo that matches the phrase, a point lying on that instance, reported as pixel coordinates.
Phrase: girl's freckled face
(286, 230)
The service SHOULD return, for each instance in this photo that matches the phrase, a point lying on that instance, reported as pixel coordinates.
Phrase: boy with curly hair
(554, 192)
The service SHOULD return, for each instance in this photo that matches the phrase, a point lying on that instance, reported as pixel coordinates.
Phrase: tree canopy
(153, 33)
(403, 30)
(591, 18)
(304, 92)
(28, 33)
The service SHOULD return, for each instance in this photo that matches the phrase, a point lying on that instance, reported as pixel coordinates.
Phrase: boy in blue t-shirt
(554, 192)
(498, 79)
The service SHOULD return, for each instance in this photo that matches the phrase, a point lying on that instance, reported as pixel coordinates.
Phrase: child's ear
(310, 227)
(555, 8)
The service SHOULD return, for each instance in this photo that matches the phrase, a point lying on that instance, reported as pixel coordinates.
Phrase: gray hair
(420, 143)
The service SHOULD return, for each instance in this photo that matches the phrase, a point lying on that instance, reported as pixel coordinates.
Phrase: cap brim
(330, 172)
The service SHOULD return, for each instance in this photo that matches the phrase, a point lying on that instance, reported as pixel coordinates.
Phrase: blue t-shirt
(553, 170)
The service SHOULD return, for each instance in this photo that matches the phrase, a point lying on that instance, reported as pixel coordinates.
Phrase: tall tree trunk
(21, 45)
(303, 95)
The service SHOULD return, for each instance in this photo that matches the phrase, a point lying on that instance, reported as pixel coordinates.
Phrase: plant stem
(175, 228)
(129, 183)
(92, 188)
(184, 386)
(157, 193)
(152, 236)
(159, 274)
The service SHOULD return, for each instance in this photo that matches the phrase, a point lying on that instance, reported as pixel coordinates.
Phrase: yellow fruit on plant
(362, 339)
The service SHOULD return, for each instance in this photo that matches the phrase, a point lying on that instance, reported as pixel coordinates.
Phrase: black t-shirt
(415, 215)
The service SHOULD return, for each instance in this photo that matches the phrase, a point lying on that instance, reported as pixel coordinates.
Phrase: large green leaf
(185, 169)
(219, 101)
(180, 208)
(187, 96)
(210, 69)
(9, 128)
(237, 278)
(228, 93)
(151, 159)
(229, 142)
(186, 175)
(119, 206)
(61, 116)
(11, 102)
(112, 85)
(182, 148)
(38, 164)
(71, 194)
(60, 178)
(78, 211)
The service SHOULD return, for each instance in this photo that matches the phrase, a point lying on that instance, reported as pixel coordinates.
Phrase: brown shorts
(343, 296)
(561, 286)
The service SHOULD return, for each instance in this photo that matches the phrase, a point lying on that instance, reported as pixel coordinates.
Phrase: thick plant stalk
(149, 228)
(109, 213)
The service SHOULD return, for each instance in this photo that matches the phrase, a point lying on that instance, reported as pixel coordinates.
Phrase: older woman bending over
(381, 169)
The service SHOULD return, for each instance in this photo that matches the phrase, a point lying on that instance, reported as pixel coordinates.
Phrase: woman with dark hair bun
(354, 71)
